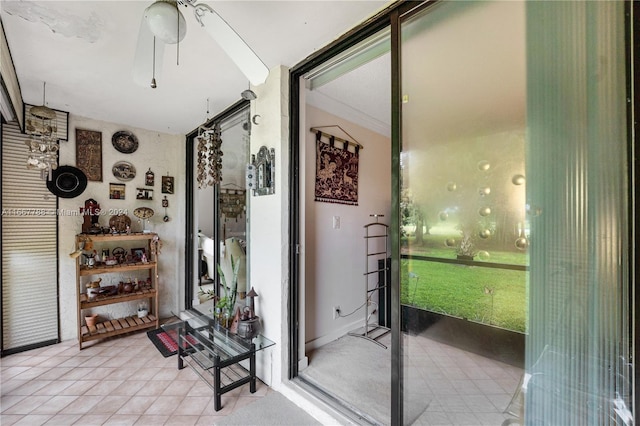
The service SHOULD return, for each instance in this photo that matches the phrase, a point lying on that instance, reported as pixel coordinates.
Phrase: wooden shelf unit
(115, 327)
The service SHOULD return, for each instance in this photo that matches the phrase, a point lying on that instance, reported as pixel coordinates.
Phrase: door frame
(390, 17)
(632, 38)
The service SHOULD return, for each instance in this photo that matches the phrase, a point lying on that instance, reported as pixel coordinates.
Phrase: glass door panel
(578, 368)
(465, 234)
(514, 206)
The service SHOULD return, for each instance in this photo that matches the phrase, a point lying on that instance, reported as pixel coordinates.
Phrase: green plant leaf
(229, 299)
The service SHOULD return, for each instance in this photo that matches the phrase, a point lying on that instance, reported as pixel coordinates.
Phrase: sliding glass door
(511, 211)
(514, 266)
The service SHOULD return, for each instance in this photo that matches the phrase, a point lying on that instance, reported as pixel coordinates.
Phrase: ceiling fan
(163, 23)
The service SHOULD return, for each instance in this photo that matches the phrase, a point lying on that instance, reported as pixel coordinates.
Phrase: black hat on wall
(67, 182)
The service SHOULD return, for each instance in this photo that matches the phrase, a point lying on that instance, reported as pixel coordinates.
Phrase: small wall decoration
(144, 194)
(261, 173)
(125, 141)
(124, 171)
(149, 178)
(165, 204)
(89, 153)
(116, 191)
(232, 202)
(167, 184)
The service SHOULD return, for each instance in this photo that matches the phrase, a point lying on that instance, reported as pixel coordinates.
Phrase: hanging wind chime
(209, 157)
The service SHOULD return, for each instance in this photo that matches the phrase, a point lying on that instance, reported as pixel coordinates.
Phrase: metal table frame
(213, 352)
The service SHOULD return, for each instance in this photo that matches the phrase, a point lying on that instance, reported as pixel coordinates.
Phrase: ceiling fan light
(162, 18)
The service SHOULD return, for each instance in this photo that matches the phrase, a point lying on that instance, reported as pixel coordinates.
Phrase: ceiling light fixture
(165, 21)
(42, 144)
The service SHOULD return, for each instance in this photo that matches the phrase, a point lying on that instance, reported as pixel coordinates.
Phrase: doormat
(167, 341)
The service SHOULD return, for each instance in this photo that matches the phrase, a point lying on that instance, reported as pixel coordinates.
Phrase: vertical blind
(29, 250)
(577, 349)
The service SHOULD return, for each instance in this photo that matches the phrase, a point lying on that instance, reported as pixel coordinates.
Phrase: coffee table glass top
(204, 330)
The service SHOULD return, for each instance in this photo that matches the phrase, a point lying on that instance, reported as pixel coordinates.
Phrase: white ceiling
(362, 96)
(463, 75)
(84, 52)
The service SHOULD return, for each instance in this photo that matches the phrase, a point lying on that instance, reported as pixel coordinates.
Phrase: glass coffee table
(215, 354)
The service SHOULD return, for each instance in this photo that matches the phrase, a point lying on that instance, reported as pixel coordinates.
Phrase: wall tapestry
(89, 153)
(232, 203)
(336, 172)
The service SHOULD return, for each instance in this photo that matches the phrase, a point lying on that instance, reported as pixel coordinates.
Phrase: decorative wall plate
(124, 171)
(143, 212)
(125, 141)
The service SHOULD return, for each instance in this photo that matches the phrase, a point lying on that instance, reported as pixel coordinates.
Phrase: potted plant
(205, 295)
(226, 304)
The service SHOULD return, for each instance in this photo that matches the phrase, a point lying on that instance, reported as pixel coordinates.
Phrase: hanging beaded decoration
(209, 157)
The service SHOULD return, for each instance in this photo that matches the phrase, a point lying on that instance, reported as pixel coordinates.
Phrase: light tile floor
(120, 381)
(444, 385)
(126, 381)
(463, 388)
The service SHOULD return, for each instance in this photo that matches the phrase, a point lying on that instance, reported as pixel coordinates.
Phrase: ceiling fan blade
(234, 46)
(143, 62)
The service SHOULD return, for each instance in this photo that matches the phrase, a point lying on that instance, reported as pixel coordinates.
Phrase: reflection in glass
(460, 159)
(518, 179)
(484, 165)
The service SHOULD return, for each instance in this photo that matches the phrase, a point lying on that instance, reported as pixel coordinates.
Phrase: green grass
(434, 245)
(487, 295)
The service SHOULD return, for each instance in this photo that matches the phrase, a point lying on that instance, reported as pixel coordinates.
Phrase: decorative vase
(248, 329)
(91, 320)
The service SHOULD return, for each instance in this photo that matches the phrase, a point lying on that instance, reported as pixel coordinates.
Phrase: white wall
(335, 258)
(163, 153)
(268, 222)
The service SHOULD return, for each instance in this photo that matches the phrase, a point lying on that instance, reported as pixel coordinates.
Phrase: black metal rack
(376, 237)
